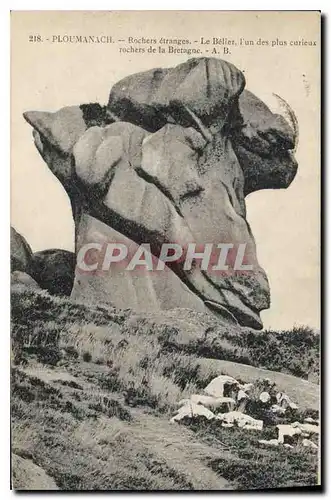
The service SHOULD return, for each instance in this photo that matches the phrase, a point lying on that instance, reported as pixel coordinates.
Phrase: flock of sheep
(227, 400)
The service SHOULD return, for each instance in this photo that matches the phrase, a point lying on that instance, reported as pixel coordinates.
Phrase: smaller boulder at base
(54, 270)
(20, 252)
(21, 278)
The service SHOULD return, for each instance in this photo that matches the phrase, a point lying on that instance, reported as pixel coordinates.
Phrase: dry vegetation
(93, 389)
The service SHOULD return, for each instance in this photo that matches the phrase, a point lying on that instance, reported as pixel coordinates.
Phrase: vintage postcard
(165, 250)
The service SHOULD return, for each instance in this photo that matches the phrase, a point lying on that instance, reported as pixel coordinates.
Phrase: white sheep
(216, 386)
(287, 430)
(191, 410)
(309, 444)
(285, 402)
(241, 419)
(307, 428)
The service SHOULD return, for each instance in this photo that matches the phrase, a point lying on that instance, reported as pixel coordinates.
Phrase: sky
(45, 76)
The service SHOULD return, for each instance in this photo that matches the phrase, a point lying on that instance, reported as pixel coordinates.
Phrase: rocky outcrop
(51, 269)
(20, 252)
(20, 278)
(54, 270)
(170, 160)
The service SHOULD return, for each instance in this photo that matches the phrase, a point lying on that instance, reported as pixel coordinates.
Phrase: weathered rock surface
(51, 269)
(54, 269)
(260, 138)
(21, 278)
(200, 87)
(170, 160)
(141, 290)
(263, 143)
(20, 252)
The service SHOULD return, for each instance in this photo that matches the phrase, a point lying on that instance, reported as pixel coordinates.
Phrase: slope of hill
(94, 388)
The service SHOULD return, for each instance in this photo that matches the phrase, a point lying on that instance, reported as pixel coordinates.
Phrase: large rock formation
(170, 159)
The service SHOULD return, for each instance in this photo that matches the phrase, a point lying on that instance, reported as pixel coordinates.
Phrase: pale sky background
(48, 76)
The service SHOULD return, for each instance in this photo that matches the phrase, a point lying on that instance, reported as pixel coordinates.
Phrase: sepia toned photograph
(165, 250)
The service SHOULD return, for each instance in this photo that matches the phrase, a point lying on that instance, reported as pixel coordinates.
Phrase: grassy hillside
(93, 389)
